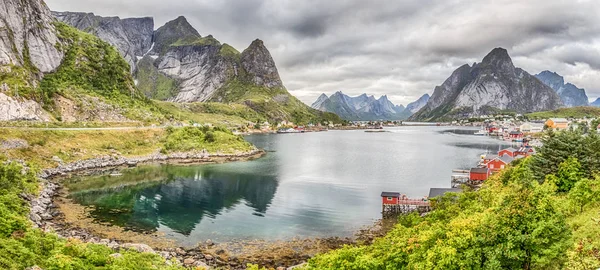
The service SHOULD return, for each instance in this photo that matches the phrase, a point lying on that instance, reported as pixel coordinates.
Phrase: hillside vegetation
(575, 112)
(541, 213)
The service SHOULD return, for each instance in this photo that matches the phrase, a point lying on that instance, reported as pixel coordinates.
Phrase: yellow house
(557, 123)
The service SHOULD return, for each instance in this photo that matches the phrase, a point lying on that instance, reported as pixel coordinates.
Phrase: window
(502, 167)
(389, 198)
(491, 166)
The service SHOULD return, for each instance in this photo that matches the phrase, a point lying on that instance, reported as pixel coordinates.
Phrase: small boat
(288, 130)
(116, 174)
(480, 133)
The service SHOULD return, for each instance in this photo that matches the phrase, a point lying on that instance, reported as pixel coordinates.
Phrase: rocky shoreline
(45, 214)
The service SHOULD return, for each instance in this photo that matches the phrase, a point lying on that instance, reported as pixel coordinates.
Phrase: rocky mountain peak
(177, 30)
(259, 65)
(486, 88)
(499, 59)
(569, 94)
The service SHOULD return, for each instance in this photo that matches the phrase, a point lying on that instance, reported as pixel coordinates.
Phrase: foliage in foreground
(22, 246)
(514, 222)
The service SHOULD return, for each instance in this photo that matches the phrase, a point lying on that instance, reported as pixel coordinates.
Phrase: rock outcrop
(27, 36)
(489, 87)
(571, 95)
(15, 109)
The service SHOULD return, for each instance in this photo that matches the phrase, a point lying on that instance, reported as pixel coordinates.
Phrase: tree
(569, 173)
(584, 192)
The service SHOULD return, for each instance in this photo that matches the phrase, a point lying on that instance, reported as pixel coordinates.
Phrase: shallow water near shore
(308, 185)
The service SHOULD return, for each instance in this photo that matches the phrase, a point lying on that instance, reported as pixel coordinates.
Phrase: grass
(209, 113)
(70, 146)
(575, 112)
(586, 237)
(196, 41)
(274, 104)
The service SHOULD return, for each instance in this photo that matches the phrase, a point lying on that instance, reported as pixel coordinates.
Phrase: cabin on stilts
(393, 203)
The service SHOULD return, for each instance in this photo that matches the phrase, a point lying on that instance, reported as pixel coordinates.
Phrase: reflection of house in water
(182, 200)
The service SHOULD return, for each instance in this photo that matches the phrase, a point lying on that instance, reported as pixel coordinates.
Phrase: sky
(398, 48)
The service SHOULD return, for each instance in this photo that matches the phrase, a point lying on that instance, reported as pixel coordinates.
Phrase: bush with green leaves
(212, 139)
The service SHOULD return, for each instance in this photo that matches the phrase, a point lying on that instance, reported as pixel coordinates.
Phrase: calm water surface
(312, 184)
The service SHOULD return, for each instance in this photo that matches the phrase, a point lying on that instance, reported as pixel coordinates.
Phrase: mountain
(361, 107)
(489, 87)
(132, 37)
(570, 95)
(51, 71)
(415, 106)
(596, 103)
(176, 63)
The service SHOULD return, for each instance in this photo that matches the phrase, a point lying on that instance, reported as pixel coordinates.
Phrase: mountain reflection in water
(177, 198)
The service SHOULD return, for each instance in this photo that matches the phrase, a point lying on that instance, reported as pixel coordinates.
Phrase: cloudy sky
(401, 48)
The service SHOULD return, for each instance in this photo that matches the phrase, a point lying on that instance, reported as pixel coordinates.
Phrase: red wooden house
(479, 174)
(525, 151)
(516, 135)
(390, 197)
(499, 163)
(508, 151)
(488, 157)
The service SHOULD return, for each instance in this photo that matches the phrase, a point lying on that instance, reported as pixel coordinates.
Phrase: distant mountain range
(569, 94)
(366, 108)
(492, 86)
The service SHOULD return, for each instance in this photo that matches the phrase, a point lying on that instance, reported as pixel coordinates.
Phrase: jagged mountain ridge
(199, 65)
(415, 106)
(362, 107)
(571, 95)
(492, 86)
(183, 66)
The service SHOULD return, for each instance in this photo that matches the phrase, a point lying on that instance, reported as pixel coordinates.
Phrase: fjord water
(308, 185)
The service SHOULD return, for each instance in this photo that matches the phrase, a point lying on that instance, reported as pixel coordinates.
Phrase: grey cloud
(400, 48)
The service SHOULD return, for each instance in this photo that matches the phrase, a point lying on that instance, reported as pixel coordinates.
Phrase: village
(524, 137)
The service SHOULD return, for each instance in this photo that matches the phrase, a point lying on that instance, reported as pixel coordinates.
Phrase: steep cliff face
(416, 105)
(132, 37)
(488, 87)
(28, 37)
(49, 69)
(570, 94)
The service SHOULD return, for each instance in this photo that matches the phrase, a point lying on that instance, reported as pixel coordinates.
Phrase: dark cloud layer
(399, 48)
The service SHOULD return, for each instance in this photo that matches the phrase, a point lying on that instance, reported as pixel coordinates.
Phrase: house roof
(480, 170)
(434, 192)
(390, 194)
(490, 156)
(506, 159)
(514, 132)
(559, 120)
(510, 149)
